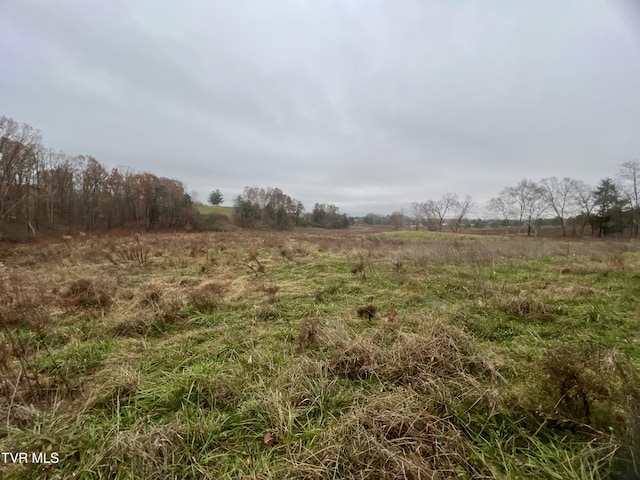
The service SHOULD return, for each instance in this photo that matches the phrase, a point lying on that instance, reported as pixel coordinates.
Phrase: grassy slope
(216, 218)
(243, 354)
(217, 209)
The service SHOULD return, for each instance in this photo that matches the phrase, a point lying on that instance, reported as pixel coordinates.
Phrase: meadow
(314, 354)
(216, 210)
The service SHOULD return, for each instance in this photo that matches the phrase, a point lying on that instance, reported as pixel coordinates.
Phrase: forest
(44, 192)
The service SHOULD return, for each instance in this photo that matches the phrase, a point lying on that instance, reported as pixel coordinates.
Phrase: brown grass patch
(594, 386)
(85, 293)
(367, 311)
(137, 326)
(442, 352)
(525, 306)
(308, 333)
(387, 437)
(207, 296)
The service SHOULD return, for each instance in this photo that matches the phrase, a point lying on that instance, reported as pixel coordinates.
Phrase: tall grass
(321, 355)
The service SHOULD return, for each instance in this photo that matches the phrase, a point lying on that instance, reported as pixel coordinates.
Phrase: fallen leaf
(269, 438)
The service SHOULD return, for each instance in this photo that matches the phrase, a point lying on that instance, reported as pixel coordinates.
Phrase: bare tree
(585, 198)
(628, 179)
(438, 209)
(94, 177)
(418, 212)
(536, 208)
(50, 186)
(272, 208)
(628, 174)
(559, 195)
(504, 207)
(526, 196)
(20, 145)
(461, 210)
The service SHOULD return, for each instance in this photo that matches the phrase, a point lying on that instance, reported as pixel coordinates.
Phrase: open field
(217, 209)
(321, 354)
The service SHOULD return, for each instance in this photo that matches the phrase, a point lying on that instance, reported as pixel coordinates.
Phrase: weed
(152, 297)
(85, 293)
(308, 333)
(255, 266)
(207, 296)
(271, 291)
(390, 436)
(265, 312)
(135, 251)
(367, 311)
(526, 306)
(359, 268)
(286, 253)
(616, 261)
(594, 386)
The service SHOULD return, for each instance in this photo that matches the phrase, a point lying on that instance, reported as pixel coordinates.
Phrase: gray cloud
(367, 104)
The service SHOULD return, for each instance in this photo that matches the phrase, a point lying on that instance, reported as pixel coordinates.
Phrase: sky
(370, 105)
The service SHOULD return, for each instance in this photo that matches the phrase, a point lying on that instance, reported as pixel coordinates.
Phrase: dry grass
(84, 293)
(389, 436)
(356, 354)
(582, 385)
(526, 306)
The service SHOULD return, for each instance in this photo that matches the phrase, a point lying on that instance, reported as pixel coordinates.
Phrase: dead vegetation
(526, 306)
(390, 436)
(367, 311)
(207, 296)
(587, 384)
(309, 333)
(195, 356)
(359, 268)
(135, 251)
(84, 293)
(408, 431)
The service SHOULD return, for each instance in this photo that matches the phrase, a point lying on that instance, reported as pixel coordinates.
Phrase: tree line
(271, 208)
(43, 191)
(611, 207)
(449, 209)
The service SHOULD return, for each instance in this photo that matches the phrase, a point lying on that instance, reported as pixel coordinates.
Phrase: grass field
(216, 218)
(315, 354)
(216, 209)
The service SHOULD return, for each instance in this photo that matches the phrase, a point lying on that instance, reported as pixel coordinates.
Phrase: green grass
(486, 358)
(216, 209)
(215, 218)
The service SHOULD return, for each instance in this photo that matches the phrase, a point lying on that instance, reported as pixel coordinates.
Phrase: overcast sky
(368, 104)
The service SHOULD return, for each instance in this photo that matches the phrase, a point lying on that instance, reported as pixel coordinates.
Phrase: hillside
(216, 218)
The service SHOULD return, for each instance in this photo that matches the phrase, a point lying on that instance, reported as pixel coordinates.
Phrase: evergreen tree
(609, 209)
